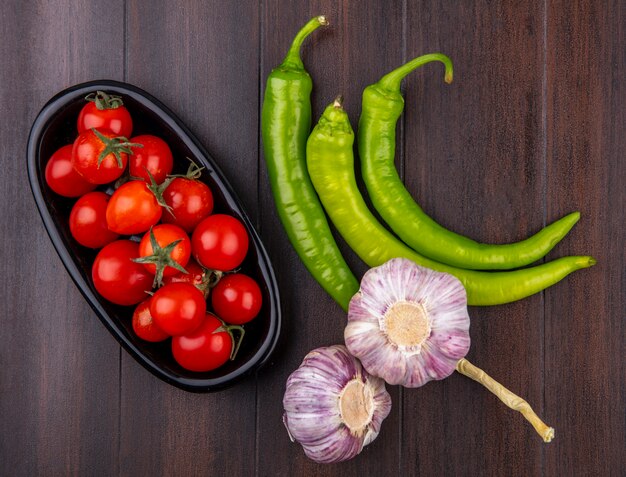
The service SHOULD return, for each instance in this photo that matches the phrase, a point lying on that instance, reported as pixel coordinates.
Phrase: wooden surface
(533, 127)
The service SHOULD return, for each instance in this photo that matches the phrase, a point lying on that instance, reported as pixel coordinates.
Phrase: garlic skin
(333, 407)
(408, 324)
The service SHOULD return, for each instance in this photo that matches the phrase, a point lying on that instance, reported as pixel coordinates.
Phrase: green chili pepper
(382, 106)
(285, 126)
(330, 162)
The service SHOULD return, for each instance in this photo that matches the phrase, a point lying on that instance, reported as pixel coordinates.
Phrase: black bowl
(54, 127)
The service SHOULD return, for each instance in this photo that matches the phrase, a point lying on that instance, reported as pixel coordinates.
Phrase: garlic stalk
(409, 325)
(510, 399)
(333, 407)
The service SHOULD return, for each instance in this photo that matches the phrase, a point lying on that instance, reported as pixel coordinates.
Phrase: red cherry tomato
(86, 151)
(166, 234)
(178, 308)
(88, 223)
(236, 299)
(133, 209)
(220, 242)
(206, 348)
(155, 156)
(105, 112)
(117, 278)
(195, 275)
(190, 201)
(61, 176)
(144, 326)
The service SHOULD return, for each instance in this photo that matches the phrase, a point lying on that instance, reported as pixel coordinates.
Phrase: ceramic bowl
(55, 126)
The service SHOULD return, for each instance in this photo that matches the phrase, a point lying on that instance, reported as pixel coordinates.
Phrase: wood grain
(474, 160)
(532, 128)
(56, 360)
(196, 60)
(585, 332)
(312, 319)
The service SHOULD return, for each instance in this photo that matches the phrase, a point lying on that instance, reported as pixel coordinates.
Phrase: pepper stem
(293, 60)
(391, 81)
(510, 399)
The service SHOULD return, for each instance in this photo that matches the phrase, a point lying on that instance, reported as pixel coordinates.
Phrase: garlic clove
(362, 313)
(451, 344)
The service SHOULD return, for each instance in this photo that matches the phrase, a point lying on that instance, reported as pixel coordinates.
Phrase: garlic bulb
(333, 407)
(408, 324)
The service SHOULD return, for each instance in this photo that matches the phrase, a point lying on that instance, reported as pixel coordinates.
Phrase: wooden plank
(586, 170)
(202, 62)
(59, 373)
(474, 161)
(362, 41)
(532, 128)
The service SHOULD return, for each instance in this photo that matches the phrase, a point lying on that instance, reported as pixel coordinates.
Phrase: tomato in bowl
(54, 127)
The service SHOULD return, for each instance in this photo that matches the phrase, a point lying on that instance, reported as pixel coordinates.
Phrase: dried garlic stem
(507, 397)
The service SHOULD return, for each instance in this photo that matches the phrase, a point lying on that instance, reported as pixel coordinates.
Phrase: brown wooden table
(533, 127)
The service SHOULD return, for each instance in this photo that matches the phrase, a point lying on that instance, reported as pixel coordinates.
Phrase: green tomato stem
(229, 329)
(115, 146)
(104, 101)
(161, 258)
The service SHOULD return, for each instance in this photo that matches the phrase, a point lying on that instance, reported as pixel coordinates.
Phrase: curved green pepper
(382, 106)
(330, 162)
(285, 126)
